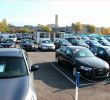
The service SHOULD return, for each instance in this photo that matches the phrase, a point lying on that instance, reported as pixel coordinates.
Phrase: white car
(46, 45)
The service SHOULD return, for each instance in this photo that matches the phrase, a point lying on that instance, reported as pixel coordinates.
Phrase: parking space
(54, 82)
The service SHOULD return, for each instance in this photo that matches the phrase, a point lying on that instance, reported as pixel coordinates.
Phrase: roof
(106, 47)
(76, 47)
(13, 52)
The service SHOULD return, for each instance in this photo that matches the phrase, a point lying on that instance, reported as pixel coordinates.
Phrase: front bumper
(96, 73)
(48, 48)
(28, 47)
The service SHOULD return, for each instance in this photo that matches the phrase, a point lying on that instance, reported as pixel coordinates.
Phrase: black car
(104, 42)
(83, 60)
(77, 42)
(8, 43)
(27, 45)
(61, 42)
(102, 52)
(93, 43)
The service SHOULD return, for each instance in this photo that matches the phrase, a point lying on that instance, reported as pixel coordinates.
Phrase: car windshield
(27, 41)
(83, 53)
(95, 42)
(80, 42)
(106, 42)
(11, 67)
(47, 41)
(64, 41)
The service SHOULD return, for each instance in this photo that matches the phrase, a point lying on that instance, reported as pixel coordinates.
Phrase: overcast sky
(33, 12)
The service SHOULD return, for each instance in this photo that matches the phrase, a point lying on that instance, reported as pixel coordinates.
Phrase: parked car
(104, 42)
(93, 43)
(83, 60)
(70, 39)
(76, 42)
(102, 52)
(61, 42)
(107, 37)
(27, 44)
(46, 45)
(13, 37)
(16, 79)
(8, 43)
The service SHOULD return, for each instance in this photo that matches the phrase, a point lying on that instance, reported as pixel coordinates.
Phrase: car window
(83, 53)
(94, 49)
(69, 52)
(101, 51)
(12, 67)
(63, 49)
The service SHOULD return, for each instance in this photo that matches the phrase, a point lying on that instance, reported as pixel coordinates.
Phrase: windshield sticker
(2, 67)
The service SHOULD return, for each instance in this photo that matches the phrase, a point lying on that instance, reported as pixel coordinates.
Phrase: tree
(91, 28)
(4, 25)
(77, 27)
(46, 28)
(102, 30)
(106, 31)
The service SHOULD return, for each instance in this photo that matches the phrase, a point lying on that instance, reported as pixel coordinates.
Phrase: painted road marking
(63, 73)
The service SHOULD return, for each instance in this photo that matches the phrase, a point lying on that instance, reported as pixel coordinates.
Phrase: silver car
(16, 77)
(46, 45)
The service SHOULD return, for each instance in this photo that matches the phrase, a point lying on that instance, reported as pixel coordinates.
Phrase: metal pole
(77, 84)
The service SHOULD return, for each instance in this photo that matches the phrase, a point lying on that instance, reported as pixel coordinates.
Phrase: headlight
(86, 68)
(107, 65)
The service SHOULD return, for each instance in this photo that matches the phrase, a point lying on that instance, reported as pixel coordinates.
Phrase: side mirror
(34, 68)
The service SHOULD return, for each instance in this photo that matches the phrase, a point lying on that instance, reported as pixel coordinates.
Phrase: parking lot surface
(54, 82)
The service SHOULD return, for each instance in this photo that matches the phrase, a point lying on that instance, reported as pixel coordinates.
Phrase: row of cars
(92, 61)
(26, 44)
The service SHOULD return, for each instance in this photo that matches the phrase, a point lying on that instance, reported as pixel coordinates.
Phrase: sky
(34, 12)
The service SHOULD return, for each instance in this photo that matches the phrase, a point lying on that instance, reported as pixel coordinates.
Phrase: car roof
(105, 47)
(11, 52)
(76, 47)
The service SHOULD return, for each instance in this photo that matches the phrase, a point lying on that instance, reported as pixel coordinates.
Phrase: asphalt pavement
(55, 82)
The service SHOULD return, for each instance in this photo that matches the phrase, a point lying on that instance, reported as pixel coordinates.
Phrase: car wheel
(74, 72)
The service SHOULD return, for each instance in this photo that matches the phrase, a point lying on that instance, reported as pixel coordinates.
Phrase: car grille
(100, 72)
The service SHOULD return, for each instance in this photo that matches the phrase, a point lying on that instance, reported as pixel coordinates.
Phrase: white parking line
(63, 73)
(68, 77)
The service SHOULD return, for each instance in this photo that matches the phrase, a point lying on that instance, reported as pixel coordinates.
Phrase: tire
(74, 71)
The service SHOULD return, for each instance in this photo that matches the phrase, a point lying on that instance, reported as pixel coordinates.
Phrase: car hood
(94, 62)
(48, 44)
(13, 88)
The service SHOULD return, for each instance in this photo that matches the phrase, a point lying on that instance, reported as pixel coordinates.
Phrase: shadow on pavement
(51, 77)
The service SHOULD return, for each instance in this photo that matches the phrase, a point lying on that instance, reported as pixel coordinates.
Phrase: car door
(62, 53)
(69, 57)
(101, 53)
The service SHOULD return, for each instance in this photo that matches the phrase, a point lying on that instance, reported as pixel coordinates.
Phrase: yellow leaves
(105, 31)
